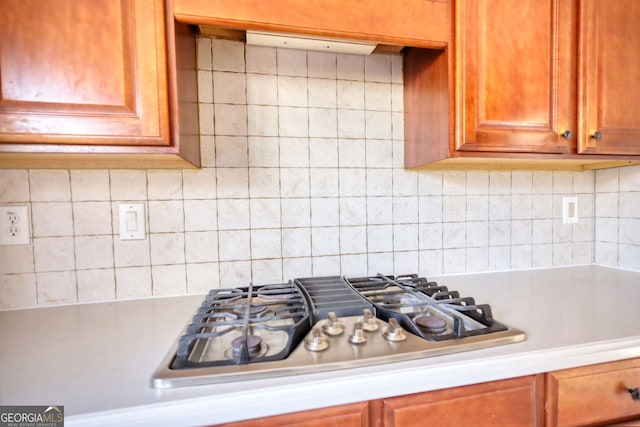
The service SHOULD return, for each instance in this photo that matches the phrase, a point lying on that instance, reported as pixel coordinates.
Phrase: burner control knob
(358, 336)
(369, 322)
(394, 331)
(317, 341)
(333, 326)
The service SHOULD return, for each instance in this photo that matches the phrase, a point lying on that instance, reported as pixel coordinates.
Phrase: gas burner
(431, 324)
(255, 347)
(241, 309)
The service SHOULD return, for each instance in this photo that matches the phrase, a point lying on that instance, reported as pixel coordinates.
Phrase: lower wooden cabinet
(352, 415)
(512, 402)
(593, 395)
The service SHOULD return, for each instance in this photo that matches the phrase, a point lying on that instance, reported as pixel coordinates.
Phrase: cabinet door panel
(514, 89)
(610, 72)
(513, 402)
(83, 72)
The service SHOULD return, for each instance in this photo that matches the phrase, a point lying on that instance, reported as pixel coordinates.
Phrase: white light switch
(132, 224)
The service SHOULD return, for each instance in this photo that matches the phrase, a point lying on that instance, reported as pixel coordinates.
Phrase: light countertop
(97, 359)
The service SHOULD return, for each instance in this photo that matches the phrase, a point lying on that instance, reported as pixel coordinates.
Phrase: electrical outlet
(569, 210)
(14, 225)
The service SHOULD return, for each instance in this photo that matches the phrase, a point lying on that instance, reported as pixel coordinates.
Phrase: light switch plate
(569, 210)
(132, 221)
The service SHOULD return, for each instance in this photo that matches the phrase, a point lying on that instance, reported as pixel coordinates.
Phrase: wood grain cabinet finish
(532, 80)
(610, 77)
(512, 402)
(423, 23)
(592, 395)
(351, 415)
(89, 77)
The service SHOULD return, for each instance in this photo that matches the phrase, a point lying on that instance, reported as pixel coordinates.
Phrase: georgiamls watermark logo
(32, 416)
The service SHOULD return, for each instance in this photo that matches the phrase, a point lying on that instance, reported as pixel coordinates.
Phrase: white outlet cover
(15, 227)
(569, 210)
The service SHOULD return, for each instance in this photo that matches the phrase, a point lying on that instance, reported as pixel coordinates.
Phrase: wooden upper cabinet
(610, 75)
(423, 23)
(86, 77)
(513, 70)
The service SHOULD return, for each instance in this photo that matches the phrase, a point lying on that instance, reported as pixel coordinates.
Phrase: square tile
(325, 241)
(324, 182)
(166, 216)
(350, 94)
(207, 151)
(521, 257)
(430, 236)
(205, 120)
(454, 183)
(326, 265)
(542, 231)
(264, 152)
(323, 152)
(96, 285)
(477, 208)
(202, 277)
(230, 120)
(499, 233)
(454, 208)
(203, 53)
(16, 259)
(18, 291)
(379, 238)
(396, 69)
(562, 254)
(454, 235)
(266, 243)
(199, 183)
(521, 182)
(477, 234)
(350, 67)
(128, 185)
(405, 237)
(351, 123)
(397, 99)
(133, 282)
(629, 178)
(265, 213)
(354, 265)
(297, 267)
(200, 215)
(234, 245)
(53, 254)
(164, 185)
(57, 288)
(379, 153)
(294, 182)
(353, 240)
(431, 261)
(235, 274)
(430, 183)
(261, 59)
(292, 62)
(262, 89)
(378, 125)
(521, 232)
(293, 121)
(322, 64)
(477, 182)
(167, 248)
(351, 153)
(201, 246)
(294, 152)
(499, 182)
(232, 183)
(379, 263)
(542, 256)
(131, 253)
(521, 206)
(405, 210)
(377, 96)
(430, 209)
(264, 182)
(323, 123)
(405, 183)
(205, 86)
(454, 261)
(353, 211)
(607, 180)
(233, 214)
(377, 68)
(169, 280)
(499, 208)
(292, 91)
(51, 219)
(266, 271)
(229, 88)
(322, 93)
(14, 186)
(49, 185)
(562, 182)
(296, 212)
(93, 252)
(379, 210)
(90, 185)
(477, 259)
(325, 212)
(232, 151)
(227, 55)
(296, 242)
(379, 182)
(500, 258)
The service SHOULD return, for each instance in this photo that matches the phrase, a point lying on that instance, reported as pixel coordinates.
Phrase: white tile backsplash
(302, 175)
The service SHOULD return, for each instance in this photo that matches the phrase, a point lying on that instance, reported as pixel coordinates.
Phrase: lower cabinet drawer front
(593, 394)
(500, 403)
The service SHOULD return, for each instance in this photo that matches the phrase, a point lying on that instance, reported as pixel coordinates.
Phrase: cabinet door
(514, 68)
(352, 415)
(89, 72)
(513, 402)
(610, 74)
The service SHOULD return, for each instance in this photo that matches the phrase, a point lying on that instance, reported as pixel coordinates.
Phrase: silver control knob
(358, 336)
(333, 326)
(394, 331)
(369, 322)
(317, 341)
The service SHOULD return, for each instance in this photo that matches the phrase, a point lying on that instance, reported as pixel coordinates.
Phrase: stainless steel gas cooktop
(325, 323)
